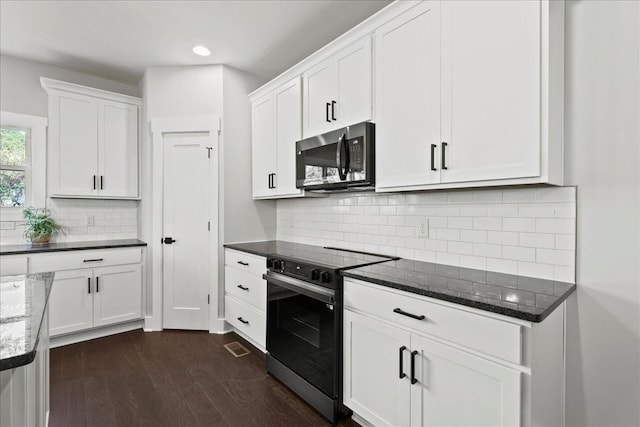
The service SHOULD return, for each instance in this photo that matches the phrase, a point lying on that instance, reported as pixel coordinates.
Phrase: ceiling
(119, 39)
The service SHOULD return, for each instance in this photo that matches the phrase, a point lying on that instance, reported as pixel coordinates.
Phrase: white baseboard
(94, 333)
(364, 423)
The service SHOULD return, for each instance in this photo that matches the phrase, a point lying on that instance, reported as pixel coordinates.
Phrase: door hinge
(208, 299)
(208, 225)
(209, 152)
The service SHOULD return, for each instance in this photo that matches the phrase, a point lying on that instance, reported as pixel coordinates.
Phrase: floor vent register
(237, 349)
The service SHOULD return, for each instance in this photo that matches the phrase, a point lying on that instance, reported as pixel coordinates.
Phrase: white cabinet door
(263, 146)
(288, 128)
(456, 388)
(319, 98)
(118, 149)
(407, 81)
(73, 144)
(71, 302)
(337, 91)
(118, 294)
(372, 385)
(354, 87)
(491, 89)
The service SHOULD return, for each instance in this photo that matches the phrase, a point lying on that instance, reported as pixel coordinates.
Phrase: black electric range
(304, 320)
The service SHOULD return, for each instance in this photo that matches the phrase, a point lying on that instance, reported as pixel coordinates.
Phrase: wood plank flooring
(169, 378)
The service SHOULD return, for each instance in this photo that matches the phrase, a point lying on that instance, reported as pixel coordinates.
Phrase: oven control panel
(303, 271)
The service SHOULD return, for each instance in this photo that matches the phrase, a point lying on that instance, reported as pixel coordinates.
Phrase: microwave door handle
(341, 143)
(347, 156)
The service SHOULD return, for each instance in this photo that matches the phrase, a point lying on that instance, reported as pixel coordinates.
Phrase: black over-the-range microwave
(342, 159)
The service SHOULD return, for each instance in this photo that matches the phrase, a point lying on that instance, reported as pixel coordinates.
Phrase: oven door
(303, 330)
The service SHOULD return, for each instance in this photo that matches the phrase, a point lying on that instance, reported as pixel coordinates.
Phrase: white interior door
(186, 215)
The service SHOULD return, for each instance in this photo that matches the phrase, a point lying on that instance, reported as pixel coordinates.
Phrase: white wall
(602, 157)
(245, 219)
(209, 90)
(21, 92)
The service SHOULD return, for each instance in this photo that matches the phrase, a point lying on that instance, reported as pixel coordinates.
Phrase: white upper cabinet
(337, 91)
(469, 93)
(408, 98)
(263, 139)
(276, 126)
(491, 85)
(463, 93)
(93, 142)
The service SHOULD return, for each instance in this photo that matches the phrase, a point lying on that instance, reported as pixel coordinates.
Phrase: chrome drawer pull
(413, 316)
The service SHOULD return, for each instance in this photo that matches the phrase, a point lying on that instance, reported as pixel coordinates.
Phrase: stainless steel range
(304, 321)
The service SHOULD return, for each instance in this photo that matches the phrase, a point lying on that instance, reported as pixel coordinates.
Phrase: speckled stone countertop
(521, 297)
(23, 301)
(263, 248)
(27, 248)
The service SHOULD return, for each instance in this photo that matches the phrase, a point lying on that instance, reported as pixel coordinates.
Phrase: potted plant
(39, 225)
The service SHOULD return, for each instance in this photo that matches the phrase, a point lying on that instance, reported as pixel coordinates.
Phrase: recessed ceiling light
(201, 50)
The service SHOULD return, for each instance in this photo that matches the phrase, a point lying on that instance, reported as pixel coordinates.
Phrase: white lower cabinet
(396, 378)
(245, 298)
(396, 374)
(88, 298)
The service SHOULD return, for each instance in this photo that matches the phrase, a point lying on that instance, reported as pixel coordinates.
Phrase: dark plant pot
(41, 240)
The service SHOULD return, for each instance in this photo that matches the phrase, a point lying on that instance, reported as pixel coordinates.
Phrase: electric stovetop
(325, 256)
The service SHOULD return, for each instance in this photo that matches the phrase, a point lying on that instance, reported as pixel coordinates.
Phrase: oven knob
(315, 274)
(278, 265)
(325, 277)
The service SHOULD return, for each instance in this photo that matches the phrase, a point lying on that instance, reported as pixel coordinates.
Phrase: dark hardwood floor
(170, 378)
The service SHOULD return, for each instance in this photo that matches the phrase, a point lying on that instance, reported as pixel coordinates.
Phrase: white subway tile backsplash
(527, 231)
(556, 226)
(481, 223)
(475, 236)
(114, 219)
(503, 238)
(566, 242)
(537, 240)
(518, 253)
(519, 224)
(555, 257)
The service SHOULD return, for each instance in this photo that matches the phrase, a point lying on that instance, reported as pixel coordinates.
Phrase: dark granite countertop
(23, 301)
(27, 248)
(263, 248)
(521, 297)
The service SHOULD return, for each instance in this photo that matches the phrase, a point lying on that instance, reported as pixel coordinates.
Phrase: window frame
(26, 169)
(35, 170)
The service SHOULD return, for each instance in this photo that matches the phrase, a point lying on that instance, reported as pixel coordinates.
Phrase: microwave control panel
(356, 154)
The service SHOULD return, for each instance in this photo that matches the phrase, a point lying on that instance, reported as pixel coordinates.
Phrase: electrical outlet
(91, 220)
(423, 229)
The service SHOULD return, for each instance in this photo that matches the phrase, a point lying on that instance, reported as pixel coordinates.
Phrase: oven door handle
(313, 291)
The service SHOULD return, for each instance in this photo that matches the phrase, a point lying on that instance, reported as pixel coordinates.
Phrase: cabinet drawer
(243, 261)
(10, 265)
(246, 287)
(237, 313)
(491, 336)
(83, 259)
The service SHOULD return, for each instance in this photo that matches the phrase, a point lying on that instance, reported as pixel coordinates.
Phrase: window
(22, 163)
(14, 166)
